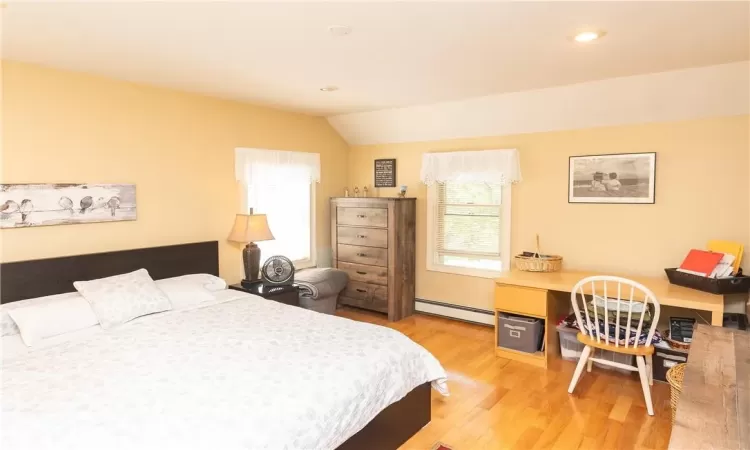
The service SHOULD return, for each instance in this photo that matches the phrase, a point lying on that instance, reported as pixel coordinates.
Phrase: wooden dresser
(373, 240)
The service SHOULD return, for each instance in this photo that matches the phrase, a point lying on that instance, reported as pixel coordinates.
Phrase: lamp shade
(250, 228)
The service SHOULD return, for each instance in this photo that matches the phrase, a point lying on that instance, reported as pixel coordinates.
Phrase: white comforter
(239, 374)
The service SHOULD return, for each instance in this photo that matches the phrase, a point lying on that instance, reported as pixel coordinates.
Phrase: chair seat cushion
(641, 350)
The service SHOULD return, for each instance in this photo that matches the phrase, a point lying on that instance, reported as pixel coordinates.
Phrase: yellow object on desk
(733, 248)
(547, 296)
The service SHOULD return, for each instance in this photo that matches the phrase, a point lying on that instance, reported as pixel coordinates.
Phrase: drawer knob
(361, 216)
(361, 290)
(362, 254)
(361, 273)
(361, 236)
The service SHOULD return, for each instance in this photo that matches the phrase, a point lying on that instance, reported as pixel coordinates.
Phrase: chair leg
(650, 369)
(589, 365)
(579, 368)
(641, 361)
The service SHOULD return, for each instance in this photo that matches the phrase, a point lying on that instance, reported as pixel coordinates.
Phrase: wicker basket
(674, 377)
(676, 344)
(538, 262)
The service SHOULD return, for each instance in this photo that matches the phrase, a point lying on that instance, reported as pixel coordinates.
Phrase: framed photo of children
(621, 178)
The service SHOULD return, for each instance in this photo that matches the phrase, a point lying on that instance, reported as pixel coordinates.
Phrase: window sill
(303, 264)
(467, 271)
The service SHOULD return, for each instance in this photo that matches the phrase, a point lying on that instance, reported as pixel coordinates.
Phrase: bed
(233, 372)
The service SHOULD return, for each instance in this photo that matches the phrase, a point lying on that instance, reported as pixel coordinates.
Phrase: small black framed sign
(385, 173)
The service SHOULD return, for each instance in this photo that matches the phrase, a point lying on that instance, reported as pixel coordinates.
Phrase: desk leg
(717, 318)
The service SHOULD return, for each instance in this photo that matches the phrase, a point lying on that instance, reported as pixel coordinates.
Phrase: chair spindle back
(638, 300)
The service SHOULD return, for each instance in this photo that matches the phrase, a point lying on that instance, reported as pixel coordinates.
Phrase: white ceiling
(399, 54)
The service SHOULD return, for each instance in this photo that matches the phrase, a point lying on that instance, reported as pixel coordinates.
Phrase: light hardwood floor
(496, 403)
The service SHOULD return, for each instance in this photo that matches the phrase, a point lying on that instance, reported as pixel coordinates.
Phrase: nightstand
(288, 295)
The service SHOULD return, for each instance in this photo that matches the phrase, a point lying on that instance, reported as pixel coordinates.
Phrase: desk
(538, 295)
(714, 407)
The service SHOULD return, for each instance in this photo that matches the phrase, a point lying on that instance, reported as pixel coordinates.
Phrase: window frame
(432, 229)
(300, 263)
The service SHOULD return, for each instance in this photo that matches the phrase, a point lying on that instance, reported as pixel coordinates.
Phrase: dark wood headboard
(36, 278)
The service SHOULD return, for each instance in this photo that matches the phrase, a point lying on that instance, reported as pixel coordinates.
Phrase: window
(468, 228)
(281, 185)
(288, 205)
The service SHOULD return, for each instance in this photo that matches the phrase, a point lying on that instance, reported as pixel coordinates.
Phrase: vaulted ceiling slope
(397, 55)
(714, 91)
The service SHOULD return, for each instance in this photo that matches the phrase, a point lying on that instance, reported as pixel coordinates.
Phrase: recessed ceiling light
(340, 30)
(329, 88)
(588, 36)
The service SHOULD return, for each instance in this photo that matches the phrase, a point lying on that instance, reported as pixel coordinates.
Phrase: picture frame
(384, 173)
(620, 178)
(25, 205)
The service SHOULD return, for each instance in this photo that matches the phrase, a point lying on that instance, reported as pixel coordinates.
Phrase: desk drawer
(521, 300)
(363, 255)
(366, 217)
(370, 237)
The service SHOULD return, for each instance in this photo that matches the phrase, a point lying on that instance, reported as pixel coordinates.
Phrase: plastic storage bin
(665, 359)
(571, 349)
(519, 332)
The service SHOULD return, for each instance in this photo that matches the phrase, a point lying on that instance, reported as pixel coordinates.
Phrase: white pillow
(121, 298)
(205, 281)
(191, 290)
(8, 327)
(53, 318)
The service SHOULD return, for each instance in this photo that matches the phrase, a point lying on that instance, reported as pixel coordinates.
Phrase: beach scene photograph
(622, 178)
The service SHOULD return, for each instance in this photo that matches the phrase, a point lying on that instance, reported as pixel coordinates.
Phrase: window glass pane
(468, 226)
(471, 233)
(473, 193)
(287, 205)
(471, 262)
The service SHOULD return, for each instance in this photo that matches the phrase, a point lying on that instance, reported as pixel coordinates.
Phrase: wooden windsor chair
(616, 324)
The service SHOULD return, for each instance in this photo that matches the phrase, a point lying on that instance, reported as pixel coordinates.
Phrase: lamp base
(251, 261)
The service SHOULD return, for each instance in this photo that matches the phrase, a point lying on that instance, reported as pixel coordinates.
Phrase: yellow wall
(701, 193)
(177, 148)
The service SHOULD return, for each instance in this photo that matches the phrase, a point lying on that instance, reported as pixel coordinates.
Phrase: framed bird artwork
(29, 205)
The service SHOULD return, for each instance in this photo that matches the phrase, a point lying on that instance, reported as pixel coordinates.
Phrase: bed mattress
(237, 373)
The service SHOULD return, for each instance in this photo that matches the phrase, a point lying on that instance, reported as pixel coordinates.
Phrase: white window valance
(483, 166)
(254, 165)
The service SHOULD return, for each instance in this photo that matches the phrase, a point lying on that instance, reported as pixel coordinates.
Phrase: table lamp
(249, 229)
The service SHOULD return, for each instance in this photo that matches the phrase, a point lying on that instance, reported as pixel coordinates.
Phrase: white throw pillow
(8, 327)
(121, 298)
(53, 318)
(187, 291)
(184, 293)
(205, 281)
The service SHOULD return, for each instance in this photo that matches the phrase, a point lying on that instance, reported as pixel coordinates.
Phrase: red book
(701, 262)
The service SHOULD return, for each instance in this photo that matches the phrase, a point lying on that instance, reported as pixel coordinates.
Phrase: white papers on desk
(724, 268)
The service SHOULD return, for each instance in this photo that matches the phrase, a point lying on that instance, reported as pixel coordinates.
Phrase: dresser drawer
(363, 255)
(365, 295)
(370, 237)
(365, 274)
(369, 217)
(521, 300)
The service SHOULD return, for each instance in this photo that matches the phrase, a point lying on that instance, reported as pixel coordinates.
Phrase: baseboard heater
(465, 313)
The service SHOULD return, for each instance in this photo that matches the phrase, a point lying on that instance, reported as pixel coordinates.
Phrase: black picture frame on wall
(384, 173)
(621, 178)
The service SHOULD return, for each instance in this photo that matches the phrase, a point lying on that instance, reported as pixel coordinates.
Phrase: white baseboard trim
(464, 313)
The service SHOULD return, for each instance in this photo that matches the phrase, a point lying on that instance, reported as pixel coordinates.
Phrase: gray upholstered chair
(319, 288)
